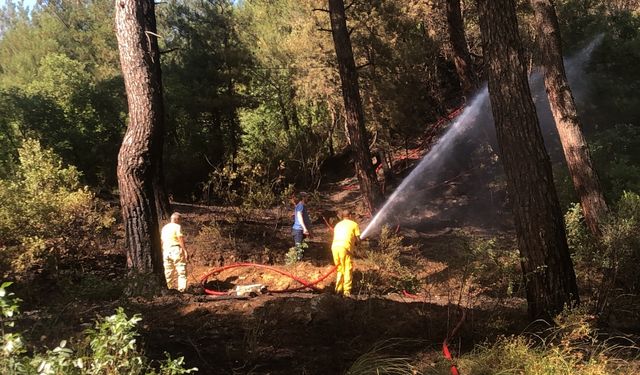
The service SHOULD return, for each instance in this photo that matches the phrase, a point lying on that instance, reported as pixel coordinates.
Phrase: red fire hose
(311, 285)
(305, 283)
(445, 344)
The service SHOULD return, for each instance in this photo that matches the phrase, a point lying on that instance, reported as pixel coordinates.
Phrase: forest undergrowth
(406, 289)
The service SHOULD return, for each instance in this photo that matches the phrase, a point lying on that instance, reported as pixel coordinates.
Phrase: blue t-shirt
(305, 216)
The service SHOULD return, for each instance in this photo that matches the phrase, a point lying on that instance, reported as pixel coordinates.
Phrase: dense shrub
(109, 348)
(616, 254)
(295, 253)
(44, 212)
(250, 187)
(387, 268)
(617, 159)
(495, 265)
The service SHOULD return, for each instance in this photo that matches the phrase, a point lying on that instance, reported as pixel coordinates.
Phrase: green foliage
(273, 138)
(520, 355)
(615, 255)
(408, 81)
(387, 267)
(11, 343)
(579, 20)
(615, 154)
(8, 307)
(59, 83)
(583, 247)
(44, 213)
(249, 186)
(612, 95)
(621, 241)
(113, 344)
(570, 347)
(109, 348)
(610, 107)
(222, 186)
(295, 254)
(493, 264)
(202, 77)
(293, 89)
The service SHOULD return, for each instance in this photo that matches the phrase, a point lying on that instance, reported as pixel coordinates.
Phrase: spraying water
(434, 159)
(473, 123)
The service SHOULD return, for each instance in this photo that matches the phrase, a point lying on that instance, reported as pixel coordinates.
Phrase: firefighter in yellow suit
(174, 253)
(345, 235)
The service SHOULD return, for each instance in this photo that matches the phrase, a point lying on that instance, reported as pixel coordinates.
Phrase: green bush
(616, 254)
(617, 160)
(493, 265)
(44, 212)
(387, 268)
(583, 247)
(109, 348)
(621, 243)
(251, 187)
(295, 253)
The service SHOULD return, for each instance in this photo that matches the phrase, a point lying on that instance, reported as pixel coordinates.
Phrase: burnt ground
(314, 332)
(303, 332)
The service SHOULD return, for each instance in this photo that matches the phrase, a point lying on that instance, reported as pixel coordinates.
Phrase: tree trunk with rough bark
(547, 268)
(460, 51)
(563, 107)
(353, 106)
(163, 207)
(141, 150)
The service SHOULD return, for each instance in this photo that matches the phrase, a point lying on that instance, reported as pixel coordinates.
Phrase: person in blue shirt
(301, 221)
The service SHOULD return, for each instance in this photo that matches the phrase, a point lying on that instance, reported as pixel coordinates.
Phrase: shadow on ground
(303, 333)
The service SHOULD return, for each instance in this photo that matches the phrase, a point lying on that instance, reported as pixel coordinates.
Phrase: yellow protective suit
(344, 237)
(175, 265)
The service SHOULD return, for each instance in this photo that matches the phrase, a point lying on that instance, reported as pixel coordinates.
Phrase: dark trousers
(298, 236)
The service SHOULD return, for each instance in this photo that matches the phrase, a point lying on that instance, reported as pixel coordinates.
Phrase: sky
(28, 3)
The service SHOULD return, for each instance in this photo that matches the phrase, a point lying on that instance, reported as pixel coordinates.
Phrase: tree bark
(548, 271)
(353, 106)
(563, 107)
(163, 207)
(141, 151)
(460, 51)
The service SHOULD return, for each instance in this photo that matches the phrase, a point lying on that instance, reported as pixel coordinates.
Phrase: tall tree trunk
(137, 159)
(163, 207)
(458, 40)
(295, 117)
(563, 108)
(353, 106)
(548, 271)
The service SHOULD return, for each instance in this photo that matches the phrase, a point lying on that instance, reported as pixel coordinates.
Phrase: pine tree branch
(169, 50)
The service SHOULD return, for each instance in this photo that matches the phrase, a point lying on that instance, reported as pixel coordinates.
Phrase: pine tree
(549, 276)
(139, 156)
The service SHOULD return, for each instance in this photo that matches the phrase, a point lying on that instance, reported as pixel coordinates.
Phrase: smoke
(460, 182)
